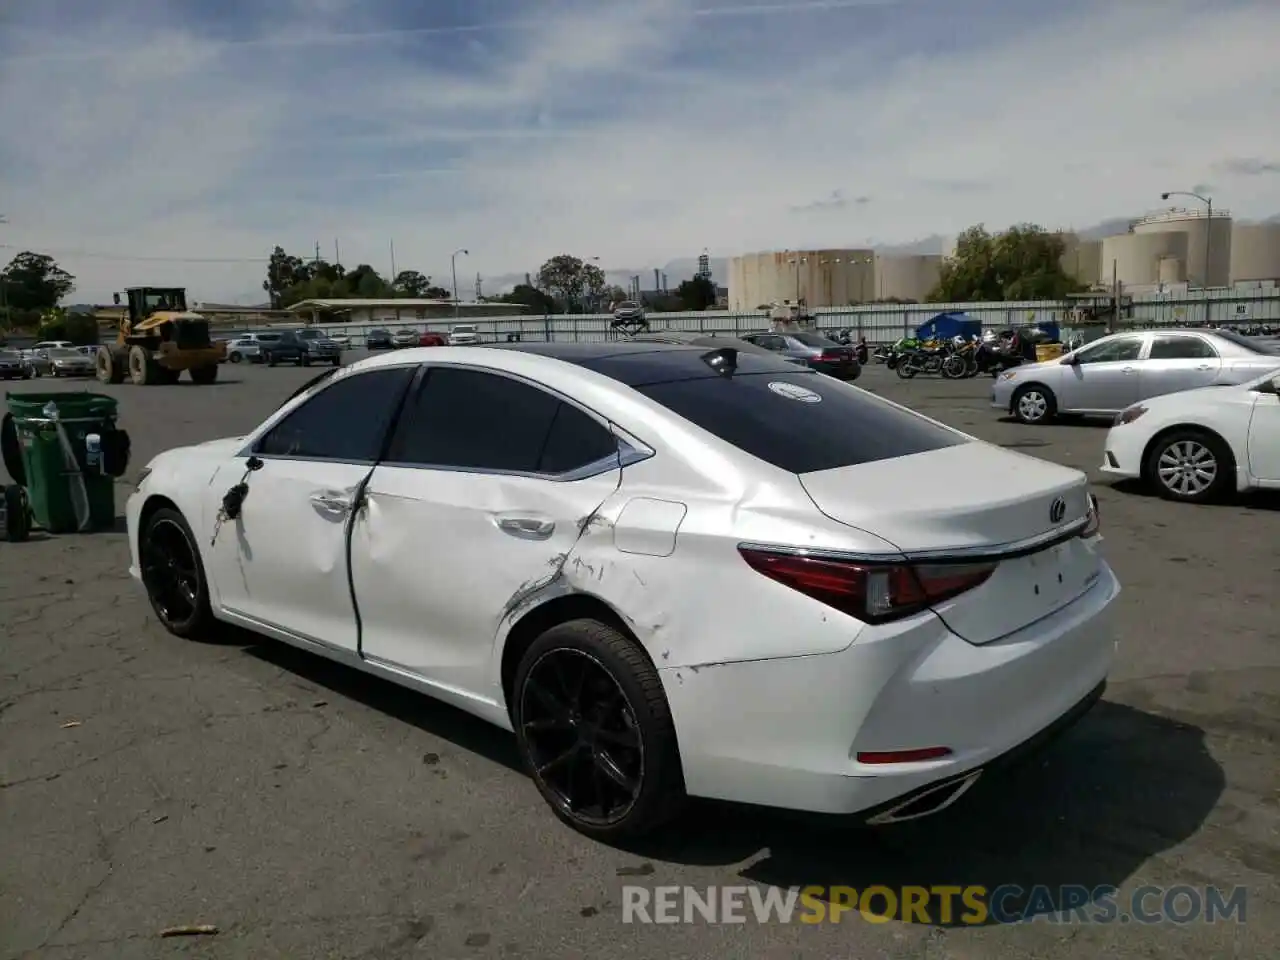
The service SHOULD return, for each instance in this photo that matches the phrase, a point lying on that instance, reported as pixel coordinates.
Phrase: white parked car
(1113, 372)
(669, 570)
(244, 349)
(464, 334)
(1201, 445)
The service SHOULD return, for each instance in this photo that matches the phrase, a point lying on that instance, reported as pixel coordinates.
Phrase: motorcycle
(927, 358)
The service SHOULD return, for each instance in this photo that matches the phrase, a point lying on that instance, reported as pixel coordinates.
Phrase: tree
(437, 293)
(531, 298)
(698, 293)
(1023, 263)
(410, 283)
(284, 272)
(614, 295)
(569, 279)
(34, 282)
(57, 324)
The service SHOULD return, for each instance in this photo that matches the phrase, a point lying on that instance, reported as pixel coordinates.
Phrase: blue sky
(140, 132)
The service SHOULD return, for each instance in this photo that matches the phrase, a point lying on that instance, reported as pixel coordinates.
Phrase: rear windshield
(1253, 345)
(814, 340)
(776, 418)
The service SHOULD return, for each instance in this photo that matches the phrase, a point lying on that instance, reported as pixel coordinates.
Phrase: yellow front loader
(159, 339)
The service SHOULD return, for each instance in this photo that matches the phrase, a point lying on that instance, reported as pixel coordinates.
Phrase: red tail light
(832, 355)
(872, 593)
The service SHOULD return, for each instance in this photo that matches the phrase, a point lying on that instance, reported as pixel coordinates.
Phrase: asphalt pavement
(305, 811)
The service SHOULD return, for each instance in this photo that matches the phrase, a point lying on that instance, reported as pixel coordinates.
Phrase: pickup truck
(282, 347)
(319, 347)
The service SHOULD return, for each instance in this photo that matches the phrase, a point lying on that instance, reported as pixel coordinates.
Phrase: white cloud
(604, 130)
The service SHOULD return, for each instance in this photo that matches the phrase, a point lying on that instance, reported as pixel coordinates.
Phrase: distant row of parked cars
(460, 335)
(48, 358)
(298, 347)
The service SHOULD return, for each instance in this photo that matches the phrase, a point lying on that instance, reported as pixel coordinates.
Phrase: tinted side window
(346, 421)
(1124, 348)
(776, 418)
(469, 419)
(575, 440)
(1181, 348)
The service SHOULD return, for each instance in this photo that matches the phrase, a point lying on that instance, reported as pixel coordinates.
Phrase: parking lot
(306, 811)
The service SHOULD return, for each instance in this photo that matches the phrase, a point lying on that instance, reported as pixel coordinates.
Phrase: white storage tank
(1255, 252)
(1203, 238)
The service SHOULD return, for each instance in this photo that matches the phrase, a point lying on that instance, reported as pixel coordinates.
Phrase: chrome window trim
(631, 450)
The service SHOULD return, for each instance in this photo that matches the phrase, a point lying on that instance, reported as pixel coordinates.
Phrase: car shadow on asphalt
(1120, 788)
(408, 706)
(1266, 500)
(1080, 816)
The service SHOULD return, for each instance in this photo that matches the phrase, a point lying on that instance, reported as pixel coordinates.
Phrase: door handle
(1205, 366)
(527, 528)
(331, 503)
(1127, 370)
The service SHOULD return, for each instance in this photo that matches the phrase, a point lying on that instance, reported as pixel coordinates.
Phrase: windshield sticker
(794, 392)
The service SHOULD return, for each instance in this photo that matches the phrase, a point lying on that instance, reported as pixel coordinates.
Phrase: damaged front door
(486, 489)
(283, 561)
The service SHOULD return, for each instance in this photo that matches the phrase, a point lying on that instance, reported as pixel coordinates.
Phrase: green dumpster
(70, 488)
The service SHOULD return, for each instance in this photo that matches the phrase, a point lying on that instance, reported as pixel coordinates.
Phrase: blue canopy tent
(947, 325)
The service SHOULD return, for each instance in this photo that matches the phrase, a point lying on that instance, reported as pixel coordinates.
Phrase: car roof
(626, 362)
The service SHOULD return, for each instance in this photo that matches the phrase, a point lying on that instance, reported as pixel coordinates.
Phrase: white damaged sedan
(671, 571)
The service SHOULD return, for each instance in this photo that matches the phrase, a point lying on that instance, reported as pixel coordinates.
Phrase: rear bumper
(908, 686)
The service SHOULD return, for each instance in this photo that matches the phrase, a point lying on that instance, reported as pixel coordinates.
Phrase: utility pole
(479, 294)
(337, 254)
(317, 253)
(393, 262)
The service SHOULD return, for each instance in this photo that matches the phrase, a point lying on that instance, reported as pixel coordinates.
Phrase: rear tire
(605, 758)
(174, 576)
(1034, 405)
(234, 358)
(1191, 466)
(204, 375)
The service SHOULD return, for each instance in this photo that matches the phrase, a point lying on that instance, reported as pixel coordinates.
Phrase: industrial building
(1176, 250)
(1169, 251)
(828, 278)
(397, 310)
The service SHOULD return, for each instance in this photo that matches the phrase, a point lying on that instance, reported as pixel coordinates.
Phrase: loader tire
(110, 366)
(143, 370)
(204, 374)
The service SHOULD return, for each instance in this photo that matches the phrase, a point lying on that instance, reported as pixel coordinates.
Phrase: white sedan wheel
(1187, 468)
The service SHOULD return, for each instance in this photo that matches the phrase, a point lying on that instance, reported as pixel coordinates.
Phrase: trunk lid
(974, 497)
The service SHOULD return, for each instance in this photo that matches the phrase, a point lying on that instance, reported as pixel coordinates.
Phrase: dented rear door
(475, 510)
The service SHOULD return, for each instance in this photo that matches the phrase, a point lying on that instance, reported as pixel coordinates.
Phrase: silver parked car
(1114, 372)
(70, 362)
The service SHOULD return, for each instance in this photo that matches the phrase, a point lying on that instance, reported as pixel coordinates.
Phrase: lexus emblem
(1057, 510)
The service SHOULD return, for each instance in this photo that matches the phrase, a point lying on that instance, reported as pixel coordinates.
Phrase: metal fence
(879, 323)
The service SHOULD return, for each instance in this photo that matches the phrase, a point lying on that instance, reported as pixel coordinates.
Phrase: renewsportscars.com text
(941, 904)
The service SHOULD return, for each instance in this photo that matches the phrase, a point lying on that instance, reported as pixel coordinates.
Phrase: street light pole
(1208, 233)
(453, 266)
(1208, 243)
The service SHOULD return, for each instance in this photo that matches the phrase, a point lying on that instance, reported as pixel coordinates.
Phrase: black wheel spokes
(583, 740)
(169, 571)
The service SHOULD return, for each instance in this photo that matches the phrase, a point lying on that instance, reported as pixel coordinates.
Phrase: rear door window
(802, 422)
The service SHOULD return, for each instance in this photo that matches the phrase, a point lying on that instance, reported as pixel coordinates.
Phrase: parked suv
(282, 347)
(319, 347)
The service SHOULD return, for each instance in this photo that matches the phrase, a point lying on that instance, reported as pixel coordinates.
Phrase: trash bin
(44, 440)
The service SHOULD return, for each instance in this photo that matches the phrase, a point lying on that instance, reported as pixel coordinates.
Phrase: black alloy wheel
(596, 731)
(173, 575)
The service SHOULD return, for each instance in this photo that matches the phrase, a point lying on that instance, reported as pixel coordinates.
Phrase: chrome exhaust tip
(927, 802)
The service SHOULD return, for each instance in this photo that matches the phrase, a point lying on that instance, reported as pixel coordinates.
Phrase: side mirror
(1269, 386)
(1070, 360)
